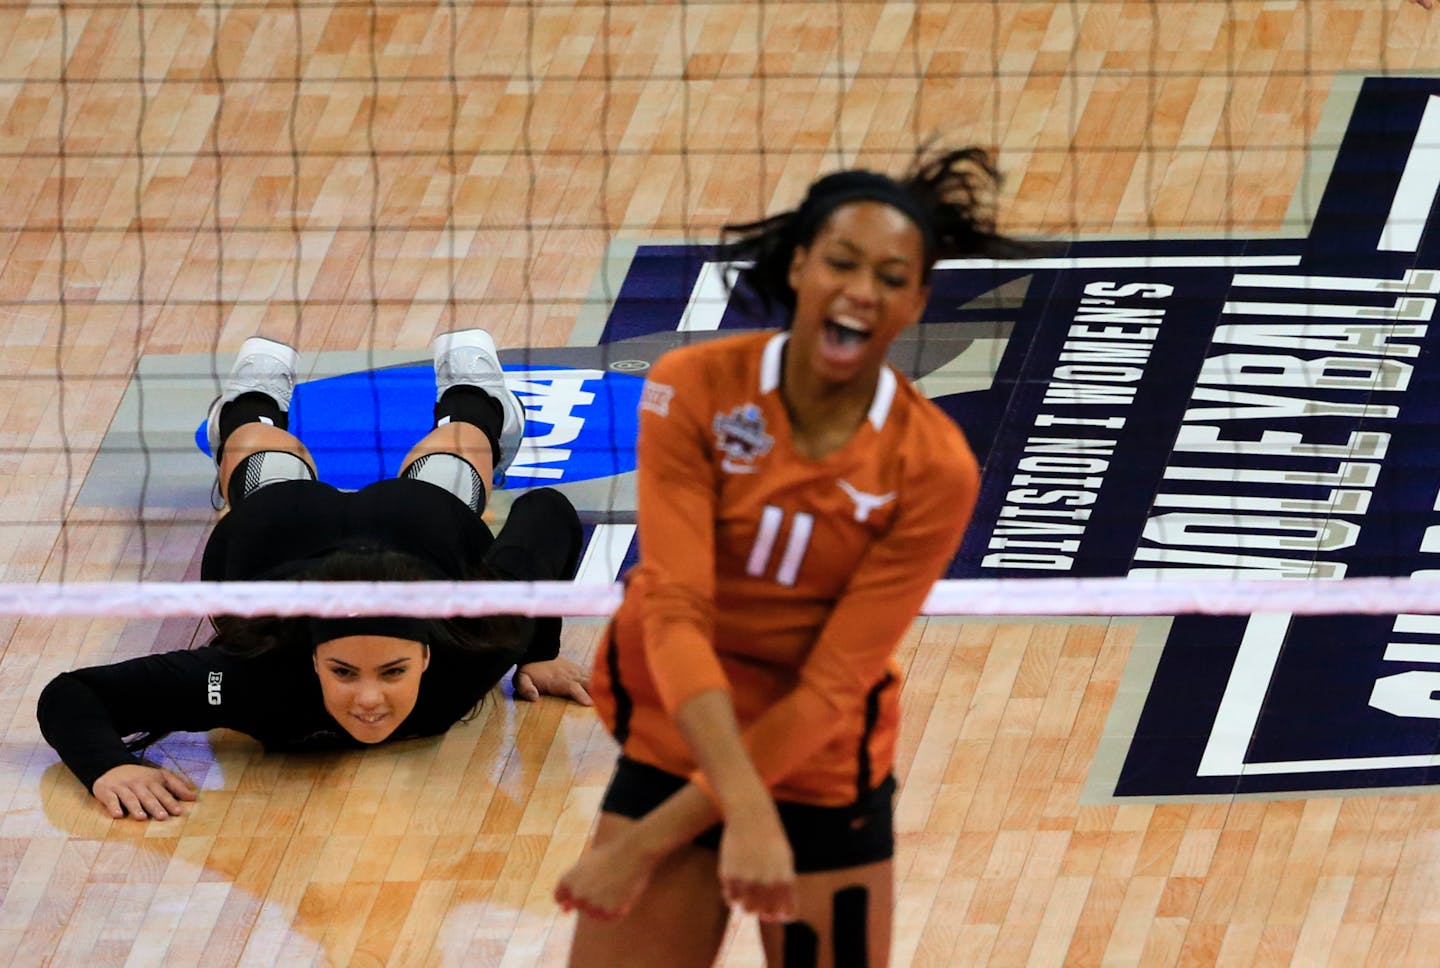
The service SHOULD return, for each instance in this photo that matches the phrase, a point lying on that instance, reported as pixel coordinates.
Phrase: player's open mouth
(372, 720)
(844, 331)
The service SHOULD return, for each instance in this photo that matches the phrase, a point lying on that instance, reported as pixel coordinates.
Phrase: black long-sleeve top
(275, 697)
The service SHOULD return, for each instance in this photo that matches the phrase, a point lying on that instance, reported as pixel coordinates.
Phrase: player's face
(857, 287)
(370, 682)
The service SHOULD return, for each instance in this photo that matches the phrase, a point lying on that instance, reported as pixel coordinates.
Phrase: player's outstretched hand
(552, 677)
(143, 792)
(606, 881)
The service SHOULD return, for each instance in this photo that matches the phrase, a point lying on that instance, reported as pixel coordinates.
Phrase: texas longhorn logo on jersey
(864, 502)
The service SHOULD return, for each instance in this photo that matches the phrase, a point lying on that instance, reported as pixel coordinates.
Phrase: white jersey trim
(773, 354)
(884, 397)
(770, 362)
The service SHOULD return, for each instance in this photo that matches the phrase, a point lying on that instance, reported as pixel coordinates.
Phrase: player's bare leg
(845, 919)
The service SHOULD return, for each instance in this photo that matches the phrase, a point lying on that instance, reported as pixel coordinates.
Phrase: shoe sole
(443, 343)
(259, 345)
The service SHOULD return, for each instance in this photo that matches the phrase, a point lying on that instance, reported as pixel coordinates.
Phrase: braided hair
(949, 196)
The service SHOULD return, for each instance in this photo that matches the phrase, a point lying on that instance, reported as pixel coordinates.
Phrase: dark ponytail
(949, 196)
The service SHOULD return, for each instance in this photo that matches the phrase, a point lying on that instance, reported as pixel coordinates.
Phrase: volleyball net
(979, 597)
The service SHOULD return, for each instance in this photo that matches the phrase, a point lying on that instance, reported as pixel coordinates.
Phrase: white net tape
(981, 597)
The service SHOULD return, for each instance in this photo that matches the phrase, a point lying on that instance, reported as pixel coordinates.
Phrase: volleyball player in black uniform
(313, 684)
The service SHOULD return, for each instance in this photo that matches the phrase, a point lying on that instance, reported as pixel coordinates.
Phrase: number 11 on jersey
(771, 519)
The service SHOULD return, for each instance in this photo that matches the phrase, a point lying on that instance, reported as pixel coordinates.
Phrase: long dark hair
(255, 636)
(949, 195)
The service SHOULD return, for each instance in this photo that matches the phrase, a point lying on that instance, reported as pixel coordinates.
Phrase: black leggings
(287, 523)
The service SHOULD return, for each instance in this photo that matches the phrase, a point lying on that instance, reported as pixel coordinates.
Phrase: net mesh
(978, 597)
(353, 177)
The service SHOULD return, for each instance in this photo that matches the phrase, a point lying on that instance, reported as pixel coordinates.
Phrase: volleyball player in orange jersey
(797, 500)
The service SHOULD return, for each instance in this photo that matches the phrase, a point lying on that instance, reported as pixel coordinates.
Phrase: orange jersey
(784, 580)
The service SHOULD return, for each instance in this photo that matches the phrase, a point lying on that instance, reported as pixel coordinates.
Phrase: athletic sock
(472, 405)
(252, 407)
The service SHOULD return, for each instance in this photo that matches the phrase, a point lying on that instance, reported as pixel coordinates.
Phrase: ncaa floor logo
(1182, 409)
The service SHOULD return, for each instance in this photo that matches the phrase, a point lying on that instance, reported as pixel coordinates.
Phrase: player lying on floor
(310, 683)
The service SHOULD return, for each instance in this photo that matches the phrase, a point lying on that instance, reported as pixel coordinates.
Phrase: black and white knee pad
(265, 467)
(453, 473)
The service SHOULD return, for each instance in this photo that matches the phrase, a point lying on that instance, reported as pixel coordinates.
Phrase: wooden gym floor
(360, 175)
